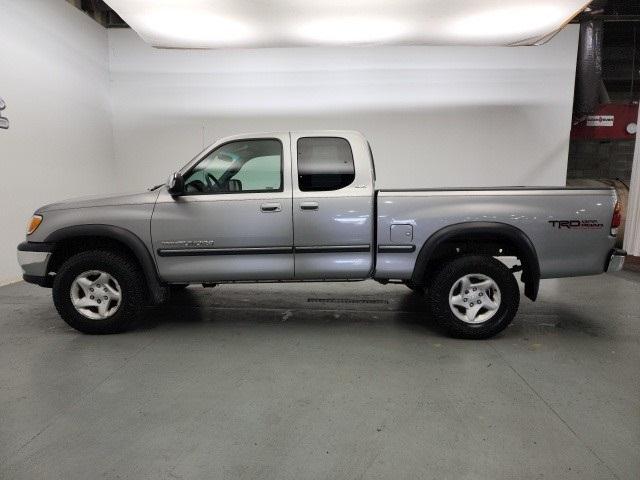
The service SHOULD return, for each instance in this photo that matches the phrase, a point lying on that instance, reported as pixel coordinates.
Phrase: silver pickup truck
(302, 206)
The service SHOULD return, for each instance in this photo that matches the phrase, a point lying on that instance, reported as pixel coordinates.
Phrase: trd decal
(576, 224)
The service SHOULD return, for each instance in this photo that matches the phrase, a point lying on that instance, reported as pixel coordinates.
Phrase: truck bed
(569, 226)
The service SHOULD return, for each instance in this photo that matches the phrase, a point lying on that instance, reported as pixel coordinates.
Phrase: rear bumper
(34, 259)
(615, 260)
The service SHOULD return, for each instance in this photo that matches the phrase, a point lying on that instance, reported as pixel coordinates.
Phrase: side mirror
(175, 184)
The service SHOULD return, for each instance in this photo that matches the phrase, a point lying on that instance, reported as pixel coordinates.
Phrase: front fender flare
(128, 238)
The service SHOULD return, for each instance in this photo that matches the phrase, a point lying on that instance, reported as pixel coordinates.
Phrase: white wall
(54, 79)
(435, 116)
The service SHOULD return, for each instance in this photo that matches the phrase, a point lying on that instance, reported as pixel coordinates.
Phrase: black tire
(419, 289)
(120, 267)
(448, 274)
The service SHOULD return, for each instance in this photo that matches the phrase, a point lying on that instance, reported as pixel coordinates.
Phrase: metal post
(632, 227)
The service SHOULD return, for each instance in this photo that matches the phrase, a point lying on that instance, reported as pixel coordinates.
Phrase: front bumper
(615, 261)
(33, 258)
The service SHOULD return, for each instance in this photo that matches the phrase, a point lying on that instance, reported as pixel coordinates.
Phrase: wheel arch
(489, 238)
(77, 238)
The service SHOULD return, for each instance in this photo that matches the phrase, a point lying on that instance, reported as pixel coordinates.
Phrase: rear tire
(473, 297)
(99, 292)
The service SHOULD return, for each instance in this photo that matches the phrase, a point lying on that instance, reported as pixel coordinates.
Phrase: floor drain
(346, 300)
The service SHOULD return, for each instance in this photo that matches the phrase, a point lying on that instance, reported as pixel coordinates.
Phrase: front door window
(245, 166)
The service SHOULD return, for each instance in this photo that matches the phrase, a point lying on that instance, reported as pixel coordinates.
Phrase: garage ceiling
(277, 23)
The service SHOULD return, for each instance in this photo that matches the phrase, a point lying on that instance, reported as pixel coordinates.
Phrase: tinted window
(324, 163)
(236, 167)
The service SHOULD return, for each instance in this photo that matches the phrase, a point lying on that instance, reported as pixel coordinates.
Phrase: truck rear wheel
(99, 292)
(474, 297)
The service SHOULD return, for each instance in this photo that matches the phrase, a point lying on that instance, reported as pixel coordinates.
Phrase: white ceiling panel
(290, 23)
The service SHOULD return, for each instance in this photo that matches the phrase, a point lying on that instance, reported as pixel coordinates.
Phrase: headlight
(34, 223)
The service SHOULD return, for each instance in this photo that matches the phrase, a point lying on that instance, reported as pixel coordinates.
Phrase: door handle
(309, 206)
(270, 207)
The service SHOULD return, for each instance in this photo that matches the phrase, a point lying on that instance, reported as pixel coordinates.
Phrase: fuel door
(401, 233)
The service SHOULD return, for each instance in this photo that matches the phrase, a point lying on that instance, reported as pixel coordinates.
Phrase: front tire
(474, 297)
(99, 292)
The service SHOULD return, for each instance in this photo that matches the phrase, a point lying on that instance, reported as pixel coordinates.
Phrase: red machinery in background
(611, 121)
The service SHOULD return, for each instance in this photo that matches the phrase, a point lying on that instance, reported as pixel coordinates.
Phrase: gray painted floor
(324, 381)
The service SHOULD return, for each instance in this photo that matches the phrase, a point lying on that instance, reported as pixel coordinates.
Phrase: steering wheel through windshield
(209, 178)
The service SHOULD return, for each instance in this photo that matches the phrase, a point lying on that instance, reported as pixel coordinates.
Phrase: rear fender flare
(501, 232)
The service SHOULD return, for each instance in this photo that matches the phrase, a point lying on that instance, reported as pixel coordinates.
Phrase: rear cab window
(324, 164)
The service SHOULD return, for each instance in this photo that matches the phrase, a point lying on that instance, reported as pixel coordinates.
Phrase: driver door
(234, 221)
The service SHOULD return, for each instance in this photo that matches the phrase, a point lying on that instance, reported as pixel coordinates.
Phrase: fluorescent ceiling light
(276, 23)
(191, 26)
(524, 21)
(356, 30)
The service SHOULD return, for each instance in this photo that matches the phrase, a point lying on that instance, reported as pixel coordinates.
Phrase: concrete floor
(324, 381)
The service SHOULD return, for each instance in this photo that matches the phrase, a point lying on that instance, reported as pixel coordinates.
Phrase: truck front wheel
(473, 296)
(99, 292)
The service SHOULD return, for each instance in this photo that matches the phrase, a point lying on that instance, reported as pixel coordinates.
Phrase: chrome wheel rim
(96, 295)
(474, 298)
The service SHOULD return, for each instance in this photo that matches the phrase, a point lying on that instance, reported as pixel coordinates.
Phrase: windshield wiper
(156, 187)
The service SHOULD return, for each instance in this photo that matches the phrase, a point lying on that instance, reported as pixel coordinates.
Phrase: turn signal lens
(34, 223)
(616, 220)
